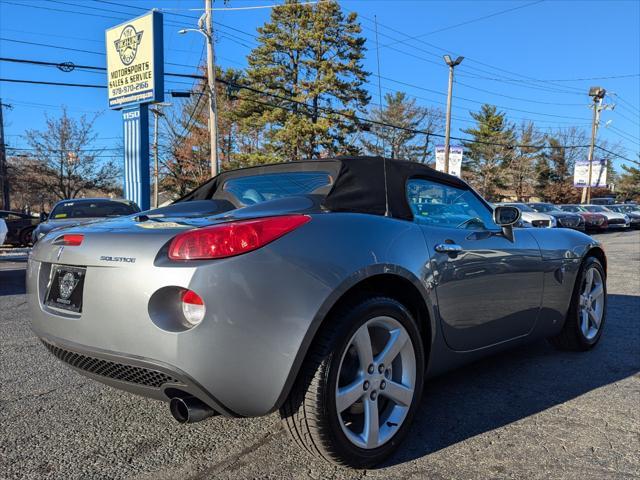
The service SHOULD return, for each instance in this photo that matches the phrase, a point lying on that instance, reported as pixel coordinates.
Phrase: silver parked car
(328, 290)
(531, 218)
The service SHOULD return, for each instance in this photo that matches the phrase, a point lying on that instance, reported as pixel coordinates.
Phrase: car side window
(442, 205)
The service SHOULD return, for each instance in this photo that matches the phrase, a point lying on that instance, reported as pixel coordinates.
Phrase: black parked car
(564, 219)
(69, 213)
(20, 226)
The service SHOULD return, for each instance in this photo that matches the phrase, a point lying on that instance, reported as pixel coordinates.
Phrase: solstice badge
(127, 44)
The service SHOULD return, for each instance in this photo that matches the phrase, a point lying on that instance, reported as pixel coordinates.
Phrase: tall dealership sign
(455, 159)
(135, 71)
(598, 173)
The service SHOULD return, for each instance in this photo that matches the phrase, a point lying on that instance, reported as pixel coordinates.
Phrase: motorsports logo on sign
(127, 44)
(134, 67)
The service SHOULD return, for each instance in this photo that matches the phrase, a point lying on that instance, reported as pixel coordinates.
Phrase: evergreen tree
(309, 58)
(490, 152)
(629, 181)
(402, 143)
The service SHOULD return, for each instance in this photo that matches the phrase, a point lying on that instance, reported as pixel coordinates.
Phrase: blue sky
(536, 61)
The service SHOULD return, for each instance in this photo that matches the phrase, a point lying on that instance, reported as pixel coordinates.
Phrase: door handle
(448, 248)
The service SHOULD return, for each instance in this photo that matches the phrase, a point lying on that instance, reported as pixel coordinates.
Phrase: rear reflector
(234, 238)
(192, 308)
(72, 239)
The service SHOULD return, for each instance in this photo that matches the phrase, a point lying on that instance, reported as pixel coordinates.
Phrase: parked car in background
(68, 213)
(592, 221)
(630, 210)
(3, 231)
(20, 226)
(531, 218)
(327, 289)
(614, 219)
(603, 201)
(564, 219)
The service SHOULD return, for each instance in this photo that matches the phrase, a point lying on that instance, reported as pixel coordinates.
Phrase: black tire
(571, 337)
(26, 237)
(310, 413)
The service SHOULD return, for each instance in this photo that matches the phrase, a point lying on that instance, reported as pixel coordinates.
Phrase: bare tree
(522, 164)
(65, 164)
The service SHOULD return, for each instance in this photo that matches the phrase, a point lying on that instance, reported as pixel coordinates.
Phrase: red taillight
(234, 238)
(72, 239)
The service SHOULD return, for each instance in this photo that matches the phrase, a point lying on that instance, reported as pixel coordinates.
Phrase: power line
(614, 153)
(467, 22)
(407, 84)
(349, 116)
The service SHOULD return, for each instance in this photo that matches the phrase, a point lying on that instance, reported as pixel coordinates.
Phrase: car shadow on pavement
(515, 384)
(12, 282)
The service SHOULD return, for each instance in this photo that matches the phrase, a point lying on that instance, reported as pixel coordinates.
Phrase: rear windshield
(261, 188)
(99, 208)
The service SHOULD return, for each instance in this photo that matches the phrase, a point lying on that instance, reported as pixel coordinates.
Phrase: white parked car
(3, 231)
(614, 219)
(530, 218)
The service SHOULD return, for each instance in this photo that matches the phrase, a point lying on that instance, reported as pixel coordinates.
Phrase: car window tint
(261, 188)
(445, 206)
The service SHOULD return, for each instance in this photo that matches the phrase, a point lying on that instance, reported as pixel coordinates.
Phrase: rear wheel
(360, 385)
(25, 237)
(585, 320)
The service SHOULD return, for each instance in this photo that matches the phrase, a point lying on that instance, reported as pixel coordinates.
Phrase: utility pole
(452, 64)
(156, 114)
(211, 76)
(598, 94)
(205, 28)
(4, 180)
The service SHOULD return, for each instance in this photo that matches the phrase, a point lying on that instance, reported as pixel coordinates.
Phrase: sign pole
(135, 121)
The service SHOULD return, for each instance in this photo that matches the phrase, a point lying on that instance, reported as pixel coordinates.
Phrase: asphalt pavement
(532, 413)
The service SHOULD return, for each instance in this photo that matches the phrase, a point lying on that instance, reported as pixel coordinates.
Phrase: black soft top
(359, 183)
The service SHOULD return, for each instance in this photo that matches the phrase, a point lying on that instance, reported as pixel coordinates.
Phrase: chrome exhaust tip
(190, 409)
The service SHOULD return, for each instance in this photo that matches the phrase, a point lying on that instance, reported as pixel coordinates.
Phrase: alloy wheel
(591, 303)
(376, 382)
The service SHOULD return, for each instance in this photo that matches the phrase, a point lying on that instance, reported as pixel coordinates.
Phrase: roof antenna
(386, 188)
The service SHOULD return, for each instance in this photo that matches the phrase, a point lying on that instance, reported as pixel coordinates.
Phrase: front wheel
(359, 386)
(585, 319)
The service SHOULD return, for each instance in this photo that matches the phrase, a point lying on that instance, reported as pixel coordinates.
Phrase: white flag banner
(598, 173)
(455, 159)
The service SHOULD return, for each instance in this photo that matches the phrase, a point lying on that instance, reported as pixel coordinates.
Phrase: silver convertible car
(328, 290)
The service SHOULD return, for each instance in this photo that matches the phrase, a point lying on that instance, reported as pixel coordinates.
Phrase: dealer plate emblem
(67, 285)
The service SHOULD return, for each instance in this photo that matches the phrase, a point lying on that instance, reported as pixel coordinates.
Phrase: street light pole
(156, 114)
(452, 64)
(205, 28)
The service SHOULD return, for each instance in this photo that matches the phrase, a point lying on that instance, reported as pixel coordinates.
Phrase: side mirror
(506, 217)
(43, 216)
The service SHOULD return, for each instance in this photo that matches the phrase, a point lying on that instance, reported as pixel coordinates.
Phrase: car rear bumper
(142, 376)
(238, 360)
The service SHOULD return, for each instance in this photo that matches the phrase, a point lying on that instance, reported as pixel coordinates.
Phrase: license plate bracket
(66, 288)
